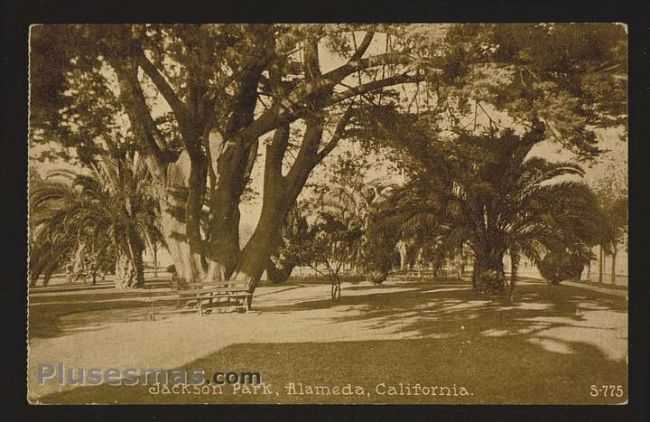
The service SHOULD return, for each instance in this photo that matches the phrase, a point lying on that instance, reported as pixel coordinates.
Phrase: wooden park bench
(205, 298)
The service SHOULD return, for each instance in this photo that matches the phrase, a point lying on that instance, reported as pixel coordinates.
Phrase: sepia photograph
(340, 213)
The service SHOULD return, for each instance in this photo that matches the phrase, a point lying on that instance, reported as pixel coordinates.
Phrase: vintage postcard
(328, 213)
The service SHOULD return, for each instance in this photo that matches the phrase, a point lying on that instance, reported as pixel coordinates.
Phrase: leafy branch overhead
(198, 103)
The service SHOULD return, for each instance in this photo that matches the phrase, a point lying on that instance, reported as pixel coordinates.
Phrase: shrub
(558, 266)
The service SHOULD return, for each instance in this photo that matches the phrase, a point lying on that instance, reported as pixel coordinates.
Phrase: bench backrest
(229, 285)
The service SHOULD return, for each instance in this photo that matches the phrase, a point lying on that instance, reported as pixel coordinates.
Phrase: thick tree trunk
(181, 225)
(256, 256)
(180, 205)
(223, 247)
(489, 275)
(280, 193)
(204, 246)
(231, 164)
(227, 167)
(188, 265)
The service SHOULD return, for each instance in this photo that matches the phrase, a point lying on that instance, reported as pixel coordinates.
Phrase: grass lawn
(604, 285)
(549, 345)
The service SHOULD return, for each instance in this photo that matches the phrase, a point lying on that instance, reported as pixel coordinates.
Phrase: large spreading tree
(199, 101)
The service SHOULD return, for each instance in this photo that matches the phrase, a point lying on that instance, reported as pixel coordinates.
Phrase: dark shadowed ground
(549, 344)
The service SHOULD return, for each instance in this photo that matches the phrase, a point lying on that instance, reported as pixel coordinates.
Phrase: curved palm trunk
(489, 275)
(129, 268)
(75, 268)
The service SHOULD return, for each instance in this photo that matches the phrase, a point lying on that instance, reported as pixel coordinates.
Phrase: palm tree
(55, 237)
(410, 214)
(486, 192)
(510, 202)
(112, 205)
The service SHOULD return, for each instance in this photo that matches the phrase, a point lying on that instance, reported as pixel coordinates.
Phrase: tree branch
(311, 61)
(362, 64)
(307, 155)
(336, 136)
(365, 43)
(328, 80)
(138, 112)
(292, 106)
(165, 89)
(372, 86)
(275, 153)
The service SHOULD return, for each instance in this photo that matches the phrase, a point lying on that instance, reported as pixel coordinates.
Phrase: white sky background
(608, 139)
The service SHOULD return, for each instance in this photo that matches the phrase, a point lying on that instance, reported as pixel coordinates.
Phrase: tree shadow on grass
(49, 320)
(536, 349)
(63, 309)
(491, 371)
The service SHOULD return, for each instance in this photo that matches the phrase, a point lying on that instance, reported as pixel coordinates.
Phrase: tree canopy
(198, 102)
